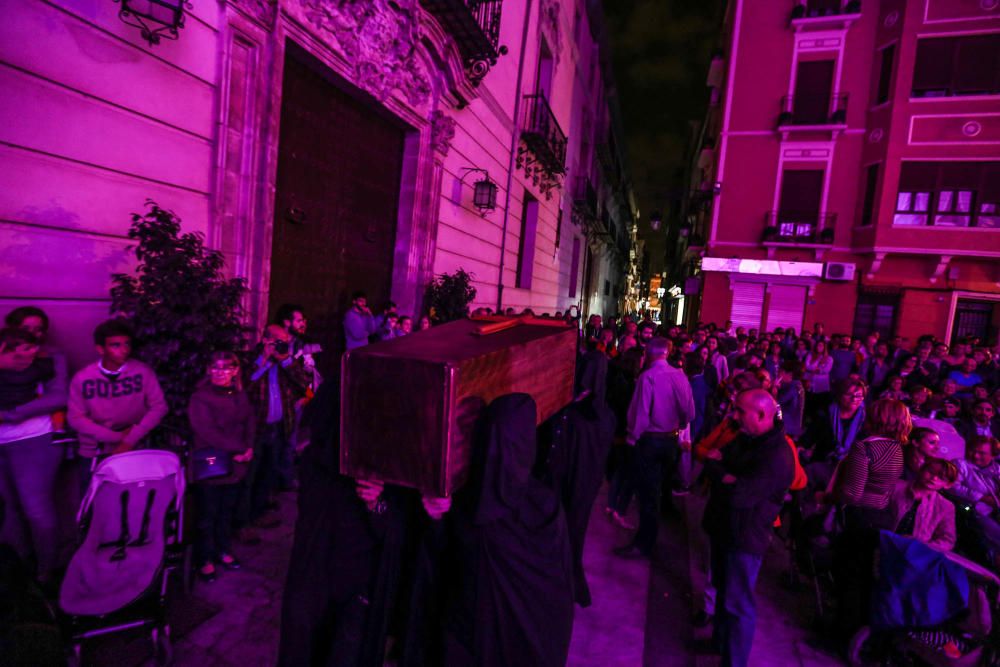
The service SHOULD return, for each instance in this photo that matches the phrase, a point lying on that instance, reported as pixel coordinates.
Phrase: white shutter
(748, 300)
(787, 305)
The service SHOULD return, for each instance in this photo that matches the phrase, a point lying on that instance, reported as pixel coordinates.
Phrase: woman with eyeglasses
(223, 425)
(828, 439)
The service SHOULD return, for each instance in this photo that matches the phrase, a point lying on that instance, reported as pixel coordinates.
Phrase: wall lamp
(484, 191)
(155, 19)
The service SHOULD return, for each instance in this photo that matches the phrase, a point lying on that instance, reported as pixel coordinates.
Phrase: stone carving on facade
(442, 132)
(550, 24)
(264, 12)
(379, 39)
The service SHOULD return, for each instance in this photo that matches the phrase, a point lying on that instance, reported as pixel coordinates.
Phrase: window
(607, 288)
(799, 204)
(885, 74)
(526, 244)
(574, 268)
(875, 312)
(952, 66)
(543, 82)
(949, 194)
(871, 184)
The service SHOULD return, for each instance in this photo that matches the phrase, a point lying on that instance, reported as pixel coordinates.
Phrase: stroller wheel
(856, 648)
(163, 650)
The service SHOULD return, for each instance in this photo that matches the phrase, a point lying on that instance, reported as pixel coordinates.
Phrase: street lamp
(484, 191)
(155, 19)
(655, 220)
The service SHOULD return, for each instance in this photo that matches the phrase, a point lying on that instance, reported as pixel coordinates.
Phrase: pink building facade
(323, 146)
(851, 159)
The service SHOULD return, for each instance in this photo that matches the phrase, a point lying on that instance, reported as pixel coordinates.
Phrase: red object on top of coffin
(408, 405)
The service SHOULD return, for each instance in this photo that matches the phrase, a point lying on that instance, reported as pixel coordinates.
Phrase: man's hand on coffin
(436, 507)
(369, 492)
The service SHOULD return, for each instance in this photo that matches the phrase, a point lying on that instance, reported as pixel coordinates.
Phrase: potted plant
(449, 296)
(181, 304)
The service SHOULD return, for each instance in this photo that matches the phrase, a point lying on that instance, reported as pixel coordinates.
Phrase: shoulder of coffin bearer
(408, 405)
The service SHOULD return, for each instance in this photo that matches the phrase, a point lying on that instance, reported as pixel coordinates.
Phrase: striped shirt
(869, 473)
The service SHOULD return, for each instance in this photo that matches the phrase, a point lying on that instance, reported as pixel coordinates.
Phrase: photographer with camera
(277, 387)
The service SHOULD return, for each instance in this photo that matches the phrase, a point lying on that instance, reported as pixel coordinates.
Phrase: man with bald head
(748, 486)
(277, 385)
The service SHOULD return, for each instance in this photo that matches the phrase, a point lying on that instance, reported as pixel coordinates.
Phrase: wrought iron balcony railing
(475, 26)
(813, 110)
(808, 228)
(543, 153)
(813, 9)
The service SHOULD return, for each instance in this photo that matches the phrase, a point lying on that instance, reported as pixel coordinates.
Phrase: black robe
(344, 566)
(581, 442)
(502, 558)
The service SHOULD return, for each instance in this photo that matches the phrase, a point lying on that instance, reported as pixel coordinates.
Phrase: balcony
(475, 27)
(822, 14)
(810, 112)
(808, 229)
(542, 154)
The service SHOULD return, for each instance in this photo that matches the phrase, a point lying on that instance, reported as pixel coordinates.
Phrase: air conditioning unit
(839, 271)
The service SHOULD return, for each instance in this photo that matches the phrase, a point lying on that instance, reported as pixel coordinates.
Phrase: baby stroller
(130, 519)
(928, 608)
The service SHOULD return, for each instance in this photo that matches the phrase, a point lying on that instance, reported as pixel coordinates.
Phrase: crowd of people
(837, 436)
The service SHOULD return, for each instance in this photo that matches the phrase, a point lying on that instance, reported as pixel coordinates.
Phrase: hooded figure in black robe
(582, 435)
(502, 559)
(344, 566)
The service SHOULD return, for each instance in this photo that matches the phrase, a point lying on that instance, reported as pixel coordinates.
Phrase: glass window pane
(988, 207)
(949, 220)
(904, 201)
(989, 221)
(964, 201)
(922, 201)
(945, 200)
(910, 219)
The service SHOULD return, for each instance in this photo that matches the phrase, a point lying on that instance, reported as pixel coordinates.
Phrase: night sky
(661, 51)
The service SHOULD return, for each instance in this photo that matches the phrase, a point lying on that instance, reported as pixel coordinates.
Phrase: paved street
(640, 616)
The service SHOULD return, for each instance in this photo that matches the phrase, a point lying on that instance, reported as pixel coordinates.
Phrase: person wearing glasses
(222, 421)
(827, 441)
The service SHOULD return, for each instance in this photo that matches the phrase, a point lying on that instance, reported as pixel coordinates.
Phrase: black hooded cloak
(506, 570)
(582, 435)
(345, 560)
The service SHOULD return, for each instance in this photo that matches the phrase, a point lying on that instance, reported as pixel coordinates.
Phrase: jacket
(223, 421)
(739, 516)
(935, 520)
(293, 380)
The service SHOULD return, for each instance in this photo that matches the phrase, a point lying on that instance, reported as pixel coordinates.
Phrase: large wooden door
(339, 166)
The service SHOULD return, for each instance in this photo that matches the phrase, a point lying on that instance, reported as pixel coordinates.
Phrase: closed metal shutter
(787, 305)
(748, 301)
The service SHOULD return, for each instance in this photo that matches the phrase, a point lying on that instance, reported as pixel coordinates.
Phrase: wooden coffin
(408, 405)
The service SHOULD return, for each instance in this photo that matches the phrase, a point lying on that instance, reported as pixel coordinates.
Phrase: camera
(281, 346)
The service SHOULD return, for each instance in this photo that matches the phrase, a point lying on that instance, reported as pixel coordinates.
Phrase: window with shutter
(786, 307)
(917, 181)
(975, 65)
(989, 201)
(885, 73)
(933, 67)
(748, 300)
(871, 184)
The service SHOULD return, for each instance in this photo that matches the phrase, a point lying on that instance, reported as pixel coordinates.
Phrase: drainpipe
(514, 140)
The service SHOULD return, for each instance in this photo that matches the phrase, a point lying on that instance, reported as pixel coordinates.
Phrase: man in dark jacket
(749, 480)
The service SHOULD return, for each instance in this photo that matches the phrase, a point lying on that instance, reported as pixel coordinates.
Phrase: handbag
(210, 463)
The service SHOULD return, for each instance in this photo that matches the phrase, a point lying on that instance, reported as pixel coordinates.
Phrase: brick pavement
(640, 616)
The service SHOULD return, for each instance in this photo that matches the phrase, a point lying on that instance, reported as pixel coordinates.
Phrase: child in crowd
(920, 511)
(222, 421)
(115, 401)
(979, 486)
(894, 389)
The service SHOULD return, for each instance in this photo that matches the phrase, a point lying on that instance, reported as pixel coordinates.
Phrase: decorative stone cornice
(442, 132)
(264, 12)
(379, 39)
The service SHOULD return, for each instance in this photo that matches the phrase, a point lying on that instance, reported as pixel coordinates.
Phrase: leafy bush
(449, 296)
(181, 304)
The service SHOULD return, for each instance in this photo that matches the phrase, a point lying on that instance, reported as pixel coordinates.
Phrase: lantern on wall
(484, 191)
(155, 19)
(484, 195)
